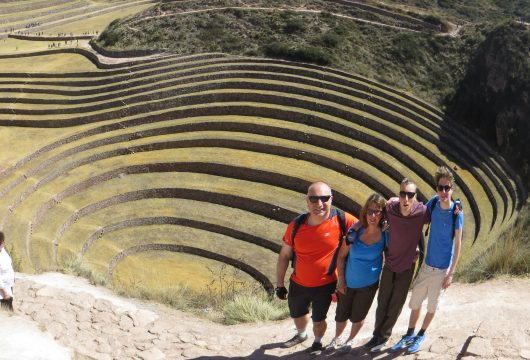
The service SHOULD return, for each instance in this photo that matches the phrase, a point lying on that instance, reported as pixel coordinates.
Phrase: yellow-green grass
(98, 22)
(427, 185)
(92, 19)
(256, 256)
(46, 63)
(169, 268)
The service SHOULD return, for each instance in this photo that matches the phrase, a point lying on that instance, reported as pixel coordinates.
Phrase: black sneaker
(316, 348)
(295, 340)
(375, 344)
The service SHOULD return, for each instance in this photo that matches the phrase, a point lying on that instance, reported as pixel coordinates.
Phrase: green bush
(306, 53)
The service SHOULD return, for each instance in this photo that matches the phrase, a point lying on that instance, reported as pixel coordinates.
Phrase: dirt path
(483, 321)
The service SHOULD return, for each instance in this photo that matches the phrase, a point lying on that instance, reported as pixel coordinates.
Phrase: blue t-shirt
(441, 245)
(364, 261)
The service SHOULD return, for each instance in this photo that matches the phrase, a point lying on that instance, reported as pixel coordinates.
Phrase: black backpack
(300, 219)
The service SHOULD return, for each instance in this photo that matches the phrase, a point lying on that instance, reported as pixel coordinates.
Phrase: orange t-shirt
(314, 247)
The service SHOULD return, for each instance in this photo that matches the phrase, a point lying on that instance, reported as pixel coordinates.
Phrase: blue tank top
(365, 262)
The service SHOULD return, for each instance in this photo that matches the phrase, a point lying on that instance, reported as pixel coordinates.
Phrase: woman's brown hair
(376, 199)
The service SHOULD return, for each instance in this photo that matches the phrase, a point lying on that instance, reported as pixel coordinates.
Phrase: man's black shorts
(354, 305)
(319, 298)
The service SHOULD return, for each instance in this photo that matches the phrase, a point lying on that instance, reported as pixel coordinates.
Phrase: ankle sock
(410, 332)
(421, 332)
(318, 339)
(302, 333)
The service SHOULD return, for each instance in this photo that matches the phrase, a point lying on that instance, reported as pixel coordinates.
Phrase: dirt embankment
(65, 317)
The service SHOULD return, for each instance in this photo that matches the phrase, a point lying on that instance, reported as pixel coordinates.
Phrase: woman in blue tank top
(359, 266)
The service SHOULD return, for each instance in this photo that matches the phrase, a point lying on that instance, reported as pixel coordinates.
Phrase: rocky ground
(61, 317)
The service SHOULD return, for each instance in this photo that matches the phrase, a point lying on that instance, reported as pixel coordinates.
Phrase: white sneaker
(346, 348)
(334, 344)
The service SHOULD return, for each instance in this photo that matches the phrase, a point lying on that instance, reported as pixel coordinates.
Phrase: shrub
(294, 26)
(305, 53)
(250, 308)
(510, 255)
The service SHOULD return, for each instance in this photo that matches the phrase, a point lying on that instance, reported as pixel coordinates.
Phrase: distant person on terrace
(315, 245)
(7, 276)
(359, 266)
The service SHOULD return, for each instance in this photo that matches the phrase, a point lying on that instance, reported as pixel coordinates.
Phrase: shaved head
(319, 187)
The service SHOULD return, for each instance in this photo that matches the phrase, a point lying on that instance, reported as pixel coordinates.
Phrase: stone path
(484, 321)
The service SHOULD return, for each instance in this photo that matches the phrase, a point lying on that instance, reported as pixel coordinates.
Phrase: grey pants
(393, 289)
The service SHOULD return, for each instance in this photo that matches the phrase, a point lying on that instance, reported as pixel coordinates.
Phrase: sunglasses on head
(445, 188)
(314, 199)
(371, 212)
(408, 194)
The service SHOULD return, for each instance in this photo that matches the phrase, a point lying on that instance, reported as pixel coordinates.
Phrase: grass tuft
(74, 265)
(250, 308)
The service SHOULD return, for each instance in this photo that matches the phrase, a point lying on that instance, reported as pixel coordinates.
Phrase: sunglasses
(445, 188)
(371, 212)
(408, 194)
(314, 199)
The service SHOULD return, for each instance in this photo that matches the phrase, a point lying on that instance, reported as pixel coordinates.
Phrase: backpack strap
(431, 209)
(341, 217)
(299, 220)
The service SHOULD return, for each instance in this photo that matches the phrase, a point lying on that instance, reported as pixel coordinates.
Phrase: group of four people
(379, 252)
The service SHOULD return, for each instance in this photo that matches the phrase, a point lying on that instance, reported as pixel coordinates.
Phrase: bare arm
(457, 244)
(343, 252)
(283, 263)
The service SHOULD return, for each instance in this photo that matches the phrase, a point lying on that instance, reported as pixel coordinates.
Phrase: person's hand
(281, 292)
(447, 281)
(458, 207)
(416, 256)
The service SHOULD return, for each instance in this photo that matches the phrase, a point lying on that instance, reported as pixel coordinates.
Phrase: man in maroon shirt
(406, 217)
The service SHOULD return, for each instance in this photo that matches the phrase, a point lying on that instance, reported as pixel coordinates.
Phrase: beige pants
(428, 285)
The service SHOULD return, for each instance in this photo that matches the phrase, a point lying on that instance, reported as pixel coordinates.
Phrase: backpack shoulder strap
(342, 222)
(431, 209)
(299, 220)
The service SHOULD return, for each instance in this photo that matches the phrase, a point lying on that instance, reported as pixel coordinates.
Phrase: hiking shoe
(346, 348)
(416, 344)
(403, 343)
(316, 348)
(375, 344)
(334, 344)
(295, 340)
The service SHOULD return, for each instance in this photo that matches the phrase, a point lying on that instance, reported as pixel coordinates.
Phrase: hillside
(407, 44)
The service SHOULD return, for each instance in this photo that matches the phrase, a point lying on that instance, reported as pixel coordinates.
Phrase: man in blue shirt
(443, 250)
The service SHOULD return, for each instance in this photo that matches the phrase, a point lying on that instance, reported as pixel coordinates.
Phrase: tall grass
(226, 299)
(74, 265)
(510, 255)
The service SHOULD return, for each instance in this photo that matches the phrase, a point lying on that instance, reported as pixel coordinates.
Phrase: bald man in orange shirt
(314, 278)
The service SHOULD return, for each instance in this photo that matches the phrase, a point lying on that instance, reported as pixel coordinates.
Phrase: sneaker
(415, 347)
(316, 348)
(375, 344)
(334, 344)
(295, 340)
(403, 343)
(346, 348)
